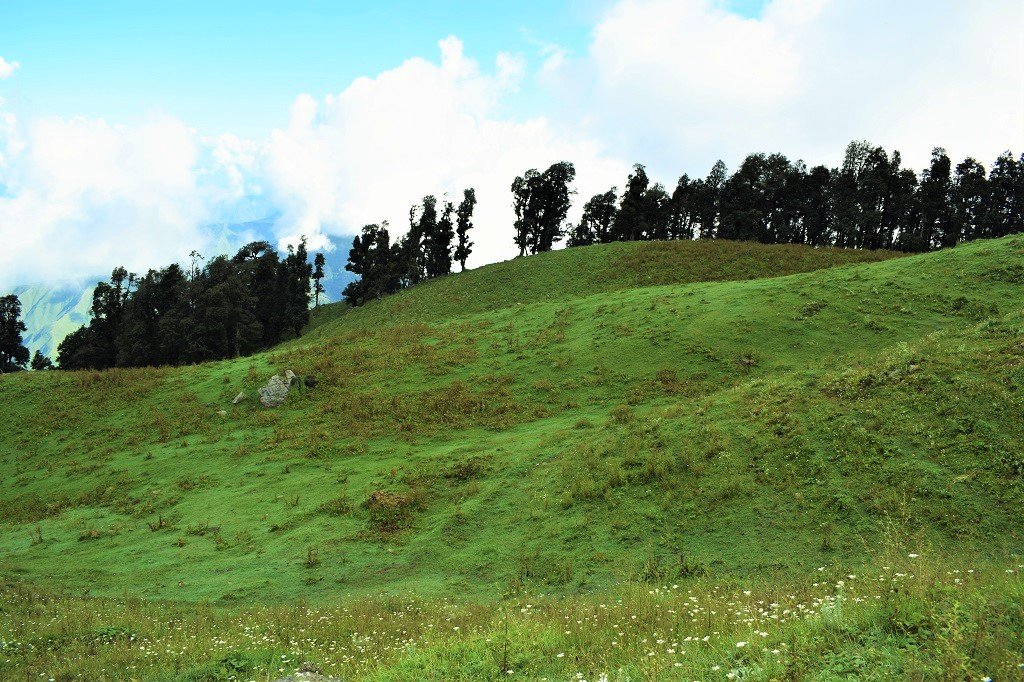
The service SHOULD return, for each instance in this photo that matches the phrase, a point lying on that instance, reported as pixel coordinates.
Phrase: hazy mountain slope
(754, 427)
(51, 313)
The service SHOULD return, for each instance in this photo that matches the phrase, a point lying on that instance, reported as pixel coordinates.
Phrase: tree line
(869, 202)
(438, 237)
(239, 305)
(230, 306)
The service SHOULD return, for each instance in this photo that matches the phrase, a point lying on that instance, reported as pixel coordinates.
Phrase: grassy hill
(567, 423)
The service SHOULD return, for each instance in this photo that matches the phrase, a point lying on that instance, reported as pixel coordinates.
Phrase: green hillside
(567, 423)
(573, 273)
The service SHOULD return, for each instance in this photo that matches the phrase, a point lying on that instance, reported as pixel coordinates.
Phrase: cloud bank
(82, 196)
(675, 84)
(369, 152)
(680, 83)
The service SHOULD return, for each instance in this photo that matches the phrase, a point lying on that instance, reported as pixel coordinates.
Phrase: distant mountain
(52, 311)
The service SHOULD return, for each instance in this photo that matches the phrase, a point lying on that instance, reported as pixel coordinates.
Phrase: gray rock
(308, 672)
(290, 377)
(238, 398)
(274, 393)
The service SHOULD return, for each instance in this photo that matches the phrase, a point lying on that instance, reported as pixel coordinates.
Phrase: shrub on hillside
(391, 512)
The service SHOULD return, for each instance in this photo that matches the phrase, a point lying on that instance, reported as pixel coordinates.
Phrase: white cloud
(370, 152)
(82, 196)
(671, 83)
(7, 68)
(679, 83)
(78, 197)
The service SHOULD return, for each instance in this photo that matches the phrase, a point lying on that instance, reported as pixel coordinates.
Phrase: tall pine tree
(464, 223)
(13, 353)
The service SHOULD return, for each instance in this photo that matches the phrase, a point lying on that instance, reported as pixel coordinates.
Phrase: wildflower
(740, 645)
(912, 555)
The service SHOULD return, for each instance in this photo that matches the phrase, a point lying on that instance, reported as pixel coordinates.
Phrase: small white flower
(740, 645)
(912, 555)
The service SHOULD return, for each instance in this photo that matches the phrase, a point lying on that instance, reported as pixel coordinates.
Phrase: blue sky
(126, 129)
(232, 65)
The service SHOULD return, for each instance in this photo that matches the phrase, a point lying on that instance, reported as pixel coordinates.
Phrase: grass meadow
(641, 461)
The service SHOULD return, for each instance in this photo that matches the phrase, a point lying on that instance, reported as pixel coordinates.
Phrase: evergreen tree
(318, 275)
(936, 210)
(177, 338)
(846, 210)
(297, 274)
(40, 362)
(1004, 209)
(541, 202)
(875, 227)
(655, 213)
(816, 206)
(13, 353)
(359, 264)
(595, 225)
(786, 187)
(260, 266)
(378, 264)
(464, 222)
(707, 199)
(629, 221)
(230, 307)
(555, 201)
(438, 242)
(76, 351)
(743, 202)
(138, 333)
(108, 303)
(682, 209)
(428, 229)
(645, 210)
(970, 190)
(524, 189)
(761, 201)
(599, 213)
(224, 316)
(412, 265)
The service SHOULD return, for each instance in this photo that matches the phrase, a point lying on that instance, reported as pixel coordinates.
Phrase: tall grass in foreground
(911, 618)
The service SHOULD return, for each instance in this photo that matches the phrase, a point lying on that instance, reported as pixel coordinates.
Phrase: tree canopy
(426, 251)
(229, 307)
(871, 202)
(13, 353)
